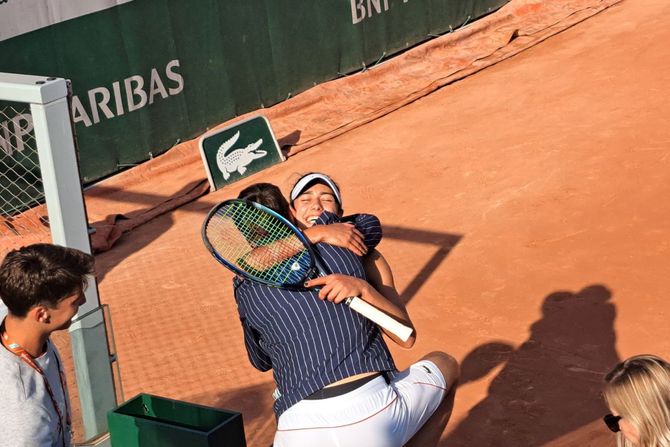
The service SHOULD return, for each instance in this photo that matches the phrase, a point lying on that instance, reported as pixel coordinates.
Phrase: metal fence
(38, 166)
(23, 214)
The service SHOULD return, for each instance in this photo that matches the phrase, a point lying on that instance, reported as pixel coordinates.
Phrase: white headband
(307, 179)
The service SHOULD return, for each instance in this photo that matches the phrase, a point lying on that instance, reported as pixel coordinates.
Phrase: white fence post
(69, 227)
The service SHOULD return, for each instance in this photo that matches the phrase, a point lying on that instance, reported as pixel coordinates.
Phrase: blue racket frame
(316, 267)
(313, 260)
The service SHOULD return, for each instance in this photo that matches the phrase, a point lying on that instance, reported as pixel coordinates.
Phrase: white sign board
(22, 16)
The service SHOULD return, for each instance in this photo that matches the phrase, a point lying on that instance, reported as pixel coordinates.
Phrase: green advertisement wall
(148, 73)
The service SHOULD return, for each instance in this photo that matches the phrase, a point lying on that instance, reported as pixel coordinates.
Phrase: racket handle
(377, 316)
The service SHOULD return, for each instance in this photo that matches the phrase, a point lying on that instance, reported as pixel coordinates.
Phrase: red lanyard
(27, 358)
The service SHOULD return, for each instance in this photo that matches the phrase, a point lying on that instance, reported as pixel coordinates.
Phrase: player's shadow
(550, 385)
(443, 242)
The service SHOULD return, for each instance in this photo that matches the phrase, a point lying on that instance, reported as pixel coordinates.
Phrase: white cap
(311, 178)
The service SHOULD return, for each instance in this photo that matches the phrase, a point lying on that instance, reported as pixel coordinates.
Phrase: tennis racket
(259, 244)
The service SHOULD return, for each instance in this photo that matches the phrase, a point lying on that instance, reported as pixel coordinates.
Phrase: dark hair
(42, 274)
(268, 195)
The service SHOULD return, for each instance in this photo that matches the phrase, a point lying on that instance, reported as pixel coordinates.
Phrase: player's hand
(344, 235)
(337, 288)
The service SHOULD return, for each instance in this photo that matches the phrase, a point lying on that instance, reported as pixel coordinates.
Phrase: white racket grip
(377, 316)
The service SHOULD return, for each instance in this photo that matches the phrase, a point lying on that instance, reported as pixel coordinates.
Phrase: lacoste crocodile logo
(239, 159)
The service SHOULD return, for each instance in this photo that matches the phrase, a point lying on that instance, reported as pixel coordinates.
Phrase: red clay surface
(526, 219)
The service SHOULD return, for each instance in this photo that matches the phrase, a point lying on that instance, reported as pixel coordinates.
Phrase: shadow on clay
(548, 386)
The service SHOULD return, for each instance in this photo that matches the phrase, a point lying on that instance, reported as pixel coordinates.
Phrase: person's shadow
(550, 385)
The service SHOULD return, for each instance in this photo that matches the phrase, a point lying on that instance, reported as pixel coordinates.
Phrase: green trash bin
(153, 421)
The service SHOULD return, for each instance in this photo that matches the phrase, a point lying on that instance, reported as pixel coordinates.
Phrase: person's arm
(264, 257)
(379, 275)
(358, 232)
(26, 424)
(337, 288)
(369, 226)
(344, 235)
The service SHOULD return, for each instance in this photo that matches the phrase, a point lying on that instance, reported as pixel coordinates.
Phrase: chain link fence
(23, 214)
(24, 220)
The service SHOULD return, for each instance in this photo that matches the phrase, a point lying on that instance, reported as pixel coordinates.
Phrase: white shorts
(376, 414)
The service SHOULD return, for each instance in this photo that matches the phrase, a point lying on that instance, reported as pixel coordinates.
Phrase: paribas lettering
(124, 96)
(127, 95)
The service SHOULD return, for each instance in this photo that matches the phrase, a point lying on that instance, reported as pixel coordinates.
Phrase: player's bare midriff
(351, 379)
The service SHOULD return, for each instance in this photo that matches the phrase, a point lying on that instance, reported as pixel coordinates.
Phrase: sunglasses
(612, 422)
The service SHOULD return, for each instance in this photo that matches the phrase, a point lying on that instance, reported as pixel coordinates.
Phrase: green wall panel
(166, 70)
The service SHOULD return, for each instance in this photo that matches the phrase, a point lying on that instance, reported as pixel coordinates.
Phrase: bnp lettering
(129, 95)
(364, 9)
(14, 133)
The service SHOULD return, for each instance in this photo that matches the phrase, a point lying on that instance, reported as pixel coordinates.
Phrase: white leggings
(375, 415)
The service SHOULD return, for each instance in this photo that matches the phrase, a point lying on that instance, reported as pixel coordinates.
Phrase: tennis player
(337, 382)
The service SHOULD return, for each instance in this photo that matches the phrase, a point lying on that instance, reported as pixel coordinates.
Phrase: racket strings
(258, 244)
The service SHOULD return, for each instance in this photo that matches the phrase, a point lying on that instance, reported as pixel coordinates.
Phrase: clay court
(526, 219)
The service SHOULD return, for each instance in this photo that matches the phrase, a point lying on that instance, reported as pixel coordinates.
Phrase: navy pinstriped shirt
(309, 343)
